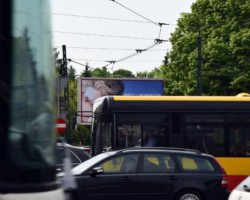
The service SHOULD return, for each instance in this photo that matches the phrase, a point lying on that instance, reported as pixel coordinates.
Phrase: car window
(121, 164)
(158, 163)
(60, 155)
(74, 157)
(195, 164)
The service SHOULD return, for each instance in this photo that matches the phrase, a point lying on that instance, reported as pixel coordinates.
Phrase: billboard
(90, 89)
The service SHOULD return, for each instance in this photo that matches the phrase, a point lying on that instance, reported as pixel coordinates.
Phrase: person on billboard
(93, 89)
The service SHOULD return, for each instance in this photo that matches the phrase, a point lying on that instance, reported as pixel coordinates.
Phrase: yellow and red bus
(217, 125)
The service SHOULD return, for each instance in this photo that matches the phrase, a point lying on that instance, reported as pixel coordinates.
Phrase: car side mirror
(58, 170)
(96, 171)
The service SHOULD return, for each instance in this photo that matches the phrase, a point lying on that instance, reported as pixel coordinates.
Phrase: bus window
(143, 135)
(142, 118)
(155, 135)
(204, 118)
(239, 141)
(205, 138)
(129, 135)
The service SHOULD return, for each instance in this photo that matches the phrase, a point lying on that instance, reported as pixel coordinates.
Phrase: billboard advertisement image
(89, 89)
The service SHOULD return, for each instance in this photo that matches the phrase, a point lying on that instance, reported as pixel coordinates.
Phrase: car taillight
(224, 181)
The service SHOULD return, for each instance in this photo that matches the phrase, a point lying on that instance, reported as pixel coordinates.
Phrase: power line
(155, 23)
(138, 51)
(112, 19)
(133, 61)
(135, 13)
(102, 18)
(108, 49)
(101, 35)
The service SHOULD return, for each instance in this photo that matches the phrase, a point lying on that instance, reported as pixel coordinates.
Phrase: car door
(118, 181)
(157, 176)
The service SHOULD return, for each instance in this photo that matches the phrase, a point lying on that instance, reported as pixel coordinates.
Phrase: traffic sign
(60, 125)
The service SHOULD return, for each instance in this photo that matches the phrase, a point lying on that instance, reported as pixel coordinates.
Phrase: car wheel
(189, 195)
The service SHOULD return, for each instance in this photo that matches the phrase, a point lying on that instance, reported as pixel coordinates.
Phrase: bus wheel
(189, 195)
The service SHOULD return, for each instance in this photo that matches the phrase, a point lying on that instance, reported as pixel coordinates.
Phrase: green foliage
(152, 74)
(224, 28)
(81, 136)
(123, 73)
(101, 72)
(57, 62)
(71, 73)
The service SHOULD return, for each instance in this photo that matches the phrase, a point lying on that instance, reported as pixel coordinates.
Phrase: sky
(98, 32)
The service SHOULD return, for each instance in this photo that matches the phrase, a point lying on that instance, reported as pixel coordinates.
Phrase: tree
(101, 72)
(57, 62)
(123, 73)
(151, 74)
(71, 73)
(81, 136)
(224, 28)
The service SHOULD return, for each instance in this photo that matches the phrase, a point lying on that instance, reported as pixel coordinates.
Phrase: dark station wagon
(151, 173)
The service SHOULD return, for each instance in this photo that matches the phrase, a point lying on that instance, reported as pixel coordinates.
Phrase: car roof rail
(163, 148)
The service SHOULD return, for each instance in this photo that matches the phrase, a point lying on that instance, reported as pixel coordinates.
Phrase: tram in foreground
(27, 131)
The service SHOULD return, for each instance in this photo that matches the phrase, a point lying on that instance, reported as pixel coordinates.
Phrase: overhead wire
(135, 12)
(112, 19)
(101, 18)
(85, 59)
(138, 51)
(108, 49)
(151, 21)
(102, 35)
(127, 37)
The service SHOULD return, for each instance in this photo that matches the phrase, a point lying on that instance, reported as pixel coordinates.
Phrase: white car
(242, 191)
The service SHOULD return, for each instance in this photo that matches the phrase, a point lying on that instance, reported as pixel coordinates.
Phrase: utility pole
(87, 72)
(199, 63)
(62, 81)
(64, 71)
